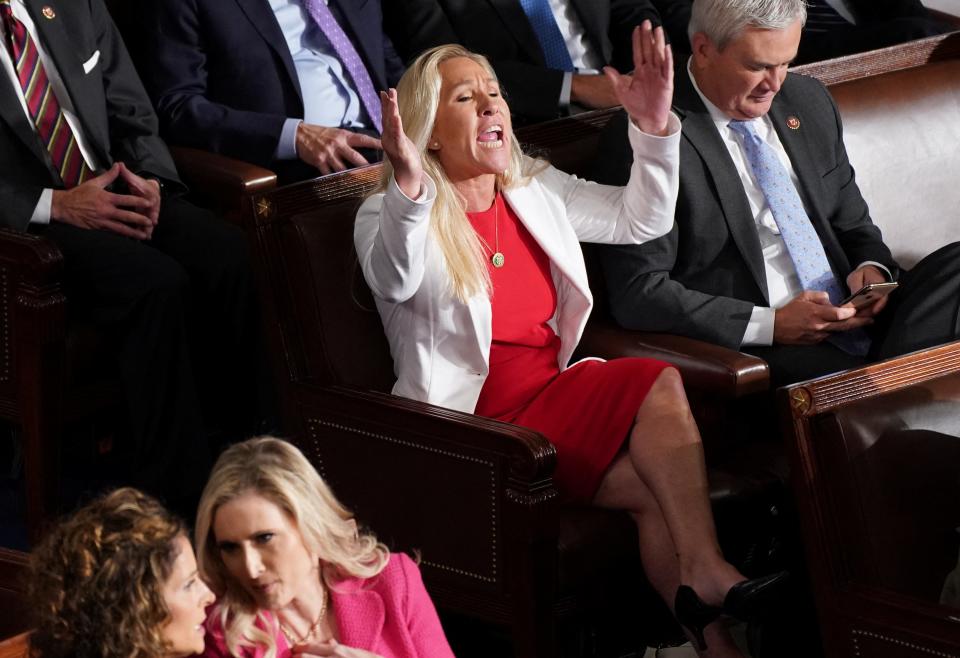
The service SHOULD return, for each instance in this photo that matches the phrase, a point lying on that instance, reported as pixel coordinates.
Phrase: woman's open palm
(647, 92)
(401, 151)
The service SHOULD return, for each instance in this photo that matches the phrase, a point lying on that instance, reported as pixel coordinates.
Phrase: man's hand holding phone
(857, 281)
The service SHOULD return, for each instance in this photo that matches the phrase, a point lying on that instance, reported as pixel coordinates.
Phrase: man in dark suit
(771, 231)
(81, 164)
(547, 57)
(834, 27)
(292, 85)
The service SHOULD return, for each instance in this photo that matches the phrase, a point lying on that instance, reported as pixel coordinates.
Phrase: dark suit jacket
(500, 30)
(111, 104)
(222, 77)
(704, 277)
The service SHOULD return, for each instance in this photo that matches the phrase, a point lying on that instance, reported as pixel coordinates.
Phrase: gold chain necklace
(497, 257)
(314, 627)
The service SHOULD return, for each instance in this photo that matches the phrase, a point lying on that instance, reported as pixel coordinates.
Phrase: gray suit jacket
(704, 277)
(111, 104)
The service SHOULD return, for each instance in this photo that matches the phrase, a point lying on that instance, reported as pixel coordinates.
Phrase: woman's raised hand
(407, 168)
(647, 92)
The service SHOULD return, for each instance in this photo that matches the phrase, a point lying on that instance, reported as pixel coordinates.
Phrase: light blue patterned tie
(544, 24)
(803, 243)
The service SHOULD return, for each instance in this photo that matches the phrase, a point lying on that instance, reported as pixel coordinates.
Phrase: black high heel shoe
(693, 614)
(746, 601)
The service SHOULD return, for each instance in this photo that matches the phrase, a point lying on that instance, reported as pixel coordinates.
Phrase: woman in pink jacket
(293, 574)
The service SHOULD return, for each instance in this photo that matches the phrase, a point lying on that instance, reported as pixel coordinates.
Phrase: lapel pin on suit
(793, 123)
(48, 12)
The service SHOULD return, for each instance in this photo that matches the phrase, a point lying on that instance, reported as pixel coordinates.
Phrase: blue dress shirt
(329, 98)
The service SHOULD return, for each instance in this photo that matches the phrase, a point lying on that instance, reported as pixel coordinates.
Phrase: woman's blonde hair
(278, 471)
(418, 95)
(97, 578)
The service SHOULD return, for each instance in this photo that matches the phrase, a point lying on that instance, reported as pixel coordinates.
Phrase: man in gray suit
(771, 231)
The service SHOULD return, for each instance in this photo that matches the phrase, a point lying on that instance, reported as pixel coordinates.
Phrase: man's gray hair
(723, 20)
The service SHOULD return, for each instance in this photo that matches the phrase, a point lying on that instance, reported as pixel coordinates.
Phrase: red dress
(587, 410)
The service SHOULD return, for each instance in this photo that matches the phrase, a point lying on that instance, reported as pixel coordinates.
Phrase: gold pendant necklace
(314, 627)
(497, 259)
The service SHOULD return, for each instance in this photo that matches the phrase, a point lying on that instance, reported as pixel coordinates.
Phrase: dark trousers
(179, 312)
(922, 312)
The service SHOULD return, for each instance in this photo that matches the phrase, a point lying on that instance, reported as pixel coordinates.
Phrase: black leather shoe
(746, 601)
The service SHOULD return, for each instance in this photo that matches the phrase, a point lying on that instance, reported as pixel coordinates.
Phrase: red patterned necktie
(52, 127)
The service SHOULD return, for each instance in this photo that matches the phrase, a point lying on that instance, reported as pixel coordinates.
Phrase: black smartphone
(869, 294)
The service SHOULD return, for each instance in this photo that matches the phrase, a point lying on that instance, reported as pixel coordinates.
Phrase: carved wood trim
(885, 60)
(829, 392)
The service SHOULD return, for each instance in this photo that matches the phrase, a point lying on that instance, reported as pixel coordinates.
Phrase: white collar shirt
(584, 55)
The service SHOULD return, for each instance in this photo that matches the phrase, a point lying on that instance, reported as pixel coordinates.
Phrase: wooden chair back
(899, 109)
(875, 455)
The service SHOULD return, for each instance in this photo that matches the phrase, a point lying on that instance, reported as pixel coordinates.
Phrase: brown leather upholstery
(219, 182)
(875, 454)
(902, 132)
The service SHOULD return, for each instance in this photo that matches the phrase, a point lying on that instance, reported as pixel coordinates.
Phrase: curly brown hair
(97, 579)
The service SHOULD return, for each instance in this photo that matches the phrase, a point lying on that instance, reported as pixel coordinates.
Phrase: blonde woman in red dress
(472, 252)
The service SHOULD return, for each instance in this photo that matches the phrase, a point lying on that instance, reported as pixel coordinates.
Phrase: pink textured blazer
(390, 615)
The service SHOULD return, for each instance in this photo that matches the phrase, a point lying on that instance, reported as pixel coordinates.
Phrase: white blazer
(440, 345)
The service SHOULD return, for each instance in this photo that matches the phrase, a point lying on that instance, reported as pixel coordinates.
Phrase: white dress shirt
(584, 56)
(41, 214)
(783, 284)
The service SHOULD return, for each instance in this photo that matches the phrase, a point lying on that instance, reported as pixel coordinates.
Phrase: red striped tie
(52, 126)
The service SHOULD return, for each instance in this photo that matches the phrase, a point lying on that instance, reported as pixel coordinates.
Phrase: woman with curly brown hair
(117, 579)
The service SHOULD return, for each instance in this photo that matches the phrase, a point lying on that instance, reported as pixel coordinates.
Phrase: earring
(435, 146)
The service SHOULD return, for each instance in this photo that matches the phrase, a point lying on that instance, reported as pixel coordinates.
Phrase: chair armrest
(32, 349)
(704, 366)
(37, 259)
(474, 496)
(225, 181)
(32, 302)
(529, 455)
